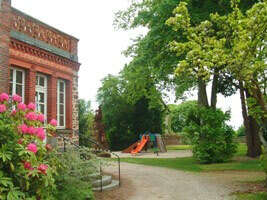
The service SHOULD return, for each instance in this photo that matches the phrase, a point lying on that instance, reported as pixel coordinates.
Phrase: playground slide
(130, 148)
(140, 146)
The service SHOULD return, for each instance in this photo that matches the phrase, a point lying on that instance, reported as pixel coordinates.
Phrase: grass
(179, 147)
(189, 163)
(250, 196)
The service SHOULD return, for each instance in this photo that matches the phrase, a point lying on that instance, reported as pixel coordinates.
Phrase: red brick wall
(5, 21)
(34, 60)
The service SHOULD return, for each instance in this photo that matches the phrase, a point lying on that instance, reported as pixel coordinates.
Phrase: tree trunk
(202, 93)
(251, 127)
(213, 100)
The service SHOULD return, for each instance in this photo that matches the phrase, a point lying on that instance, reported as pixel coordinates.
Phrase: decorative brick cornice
(42, 33)
(28, 49)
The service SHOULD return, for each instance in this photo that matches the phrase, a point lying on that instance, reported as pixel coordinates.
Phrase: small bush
(211, 137)
(72, 180)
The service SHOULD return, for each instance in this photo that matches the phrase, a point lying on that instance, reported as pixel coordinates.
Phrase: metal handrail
(100, 164)
(118, 157)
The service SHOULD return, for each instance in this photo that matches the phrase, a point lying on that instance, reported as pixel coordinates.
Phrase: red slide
(140, 145)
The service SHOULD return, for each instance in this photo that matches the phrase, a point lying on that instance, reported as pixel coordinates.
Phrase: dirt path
(155, 183)
(169, 154)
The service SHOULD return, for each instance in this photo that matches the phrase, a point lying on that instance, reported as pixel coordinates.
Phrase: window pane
(61, 86)
(19, 77)
(10, 89)
(36, 97)
(11, 75)
(42, 108)
(19, 90)
(41, 97)
(61, 120)
(41, 81)
(61, 98)
(61, 109)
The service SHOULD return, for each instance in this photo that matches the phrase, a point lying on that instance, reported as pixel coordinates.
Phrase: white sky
(100, 45)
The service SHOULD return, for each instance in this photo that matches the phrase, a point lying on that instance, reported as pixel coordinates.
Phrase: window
(17, 82)
(61, 103)
(41, 94)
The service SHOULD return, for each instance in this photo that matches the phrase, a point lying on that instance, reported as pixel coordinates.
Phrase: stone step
(114, 184)
(106, 180)
(91, 177)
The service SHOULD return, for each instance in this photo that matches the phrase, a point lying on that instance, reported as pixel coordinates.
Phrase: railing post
(101, 175)
(119, 160)
(64, 144)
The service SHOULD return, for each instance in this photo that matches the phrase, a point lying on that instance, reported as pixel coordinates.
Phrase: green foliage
(124, 120)
(241, 131)
(72, 180)
(151, 54)
(179, 115)
(86, 121)
(211, 137)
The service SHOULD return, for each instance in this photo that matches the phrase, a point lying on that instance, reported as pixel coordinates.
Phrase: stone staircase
(107, 182)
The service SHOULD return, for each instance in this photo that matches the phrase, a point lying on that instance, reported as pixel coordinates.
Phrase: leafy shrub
(72, 180)
(27, 165)
(211, 137)
(241, 131)
(179, 115)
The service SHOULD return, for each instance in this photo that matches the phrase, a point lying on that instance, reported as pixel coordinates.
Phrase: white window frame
(58, 103)
(14, 83)
(41, 89)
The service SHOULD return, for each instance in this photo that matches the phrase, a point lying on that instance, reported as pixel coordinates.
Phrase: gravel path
(155, 183)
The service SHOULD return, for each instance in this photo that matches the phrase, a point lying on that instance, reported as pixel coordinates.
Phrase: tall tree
(151, 54)
(235, 43)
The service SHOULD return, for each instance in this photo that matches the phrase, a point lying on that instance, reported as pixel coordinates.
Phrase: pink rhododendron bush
(27, 165)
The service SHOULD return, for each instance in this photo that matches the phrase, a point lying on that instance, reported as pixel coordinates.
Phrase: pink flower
(41, 118)
(48, 147)
(31, 116)
(16, 98)
(2, 108)
(53, 122)
(42, 168)
(22, 106)
(32, 130)
(31, 106)
(32, 148)
(14, 112)
(4, 97)
(23, 128)
(40, 133)
(27, 165)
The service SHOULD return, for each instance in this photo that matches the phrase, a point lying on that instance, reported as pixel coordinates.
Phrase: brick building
(40, 63)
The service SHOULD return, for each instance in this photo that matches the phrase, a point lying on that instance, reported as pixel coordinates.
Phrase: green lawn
(240, 163)
(179, 147)
(257, 196)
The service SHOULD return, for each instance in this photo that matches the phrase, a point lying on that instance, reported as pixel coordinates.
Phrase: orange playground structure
(138, 146)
